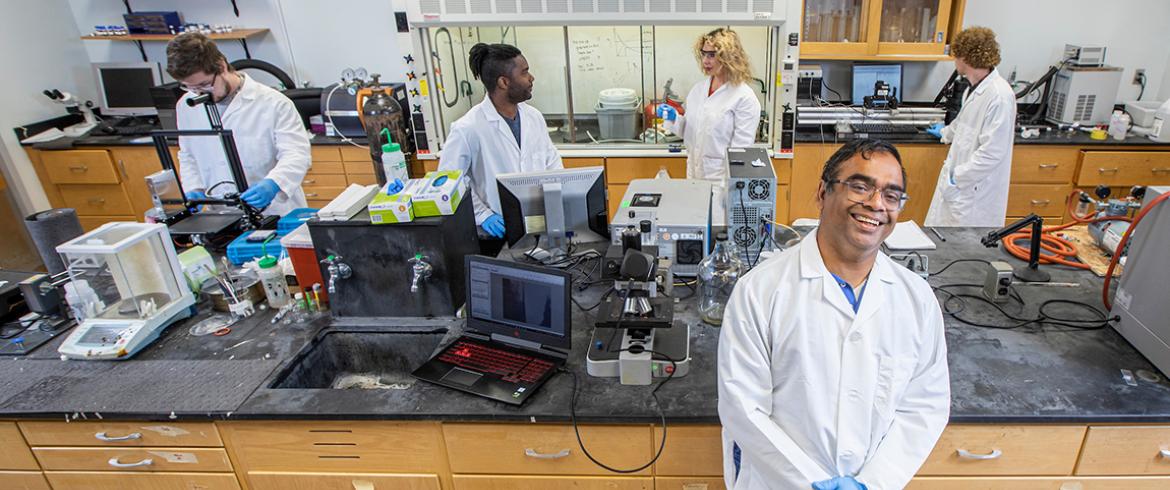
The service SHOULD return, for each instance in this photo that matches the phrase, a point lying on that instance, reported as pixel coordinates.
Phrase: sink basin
(361, 360)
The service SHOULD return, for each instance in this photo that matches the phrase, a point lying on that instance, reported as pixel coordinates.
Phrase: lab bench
(1034, 407)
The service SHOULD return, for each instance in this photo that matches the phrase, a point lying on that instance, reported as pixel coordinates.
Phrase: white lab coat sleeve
(459, 154)
(921, 414)
(552, 157)
(293, 155)
(948, 134)
(677, 126)
(745, 381)
(189, 175)
(992, 145)
(747, 119)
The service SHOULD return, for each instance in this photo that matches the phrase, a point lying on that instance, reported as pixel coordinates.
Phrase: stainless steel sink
(361, 359)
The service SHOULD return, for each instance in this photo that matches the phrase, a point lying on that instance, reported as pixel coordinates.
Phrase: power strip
(916, 262)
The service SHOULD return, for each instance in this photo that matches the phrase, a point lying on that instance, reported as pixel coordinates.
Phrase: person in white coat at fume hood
(832, 365)
(270, 136)
(500, 135)
(722, 110)
(972, 188)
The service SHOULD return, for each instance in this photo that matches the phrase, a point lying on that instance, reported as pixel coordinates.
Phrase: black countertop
(1053, 137)
(1030, 374)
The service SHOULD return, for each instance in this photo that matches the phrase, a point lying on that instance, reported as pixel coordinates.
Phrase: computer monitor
(521, 301)
(865, 75)
(125, 88)
(560, 205)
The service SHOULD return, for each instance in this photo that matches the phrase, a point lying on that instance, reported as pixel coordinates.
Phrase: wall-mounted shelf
(240, 35)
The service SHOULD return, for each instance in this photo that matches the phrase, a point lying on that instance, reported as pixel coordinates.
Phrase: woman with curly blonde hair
(721, 111)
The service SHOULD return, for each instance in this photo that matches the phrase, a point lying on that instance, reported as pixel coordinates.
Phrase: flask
(718, 273)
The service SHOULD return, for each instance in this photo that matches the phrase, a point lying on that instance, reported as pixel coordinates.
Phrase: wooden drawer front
(335, 447)
(430, 166)
(783, 200)
(361, 179)
(623, 170)
(86, 480)
(615, 193)
(350, 153)
(133, 459)
(544, 449)
(479, 482)
(1039, 483)
(327, 168)
(1008, 449)
(688, 483)
(325, 180)
(23, 480)
(90, 223)
(1043, 165)
(1042, 199)
(263, 480)
(80, 167)
(690, 451)
(583, 162)
(1124, 168)
(322, 192)
(14, 454)
(159, 434)
(100, 199)
(364, 167)
(1048, 220)
(783, 168)
(1126, 451)
(318, 203)
(325, 154)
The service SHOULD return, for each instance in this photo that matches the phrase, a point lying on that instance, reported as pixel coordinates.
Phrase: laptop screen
(516, 300)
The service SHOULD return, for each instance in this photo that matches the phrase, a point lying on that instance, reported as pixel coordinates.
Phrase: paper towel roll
(49, 229)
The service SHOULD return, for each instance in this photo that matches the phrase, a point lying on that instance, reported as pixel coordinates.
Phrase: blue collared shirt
(853, 297)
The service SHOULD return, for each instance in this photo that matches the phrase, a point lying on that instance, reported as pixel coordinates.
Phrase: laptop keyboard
(509, 366)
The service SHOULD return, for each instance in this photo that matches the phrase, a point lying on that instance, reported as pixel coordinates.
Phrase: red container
(304, 259)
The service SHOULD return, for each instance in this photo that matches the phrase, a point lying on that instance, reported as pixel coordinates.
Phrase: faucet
(422, 270)
(337, 270)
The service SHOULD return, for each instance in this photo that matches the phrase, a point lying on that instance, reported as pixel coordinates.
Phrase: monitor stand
(554, 221)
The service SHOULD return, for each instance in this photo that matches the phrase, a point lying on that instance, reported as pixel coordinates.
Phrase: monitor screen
(516, 300)
(865, 76)
(580, 213)
(125, 88)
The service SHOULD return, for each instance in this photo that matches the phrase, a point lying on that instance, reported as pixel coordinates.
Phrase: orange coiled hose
(1063, 251)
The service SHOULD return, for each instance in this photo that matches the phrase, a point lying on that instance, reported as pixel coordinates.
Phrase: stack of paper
(350, 202)
(908, 236)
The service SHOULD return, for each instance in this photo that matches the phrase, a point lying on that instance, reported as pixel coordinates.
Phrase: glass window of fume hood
(573, 65)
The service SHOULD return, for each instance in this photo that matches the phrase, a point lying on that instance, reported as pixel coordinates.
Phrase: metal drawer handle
(994, 454)
(1165, 453)
(310, 181)
(1107, 170)
(97, 200)
(78, 168)
(1048, 165)
(531, 453)
(311, 194)
(1041, 202)
(1159, 170)
(101, 436)
(114, 462)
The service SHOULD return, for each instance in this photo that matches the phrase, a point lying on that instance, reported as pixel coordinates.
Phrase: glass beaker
(718, 273)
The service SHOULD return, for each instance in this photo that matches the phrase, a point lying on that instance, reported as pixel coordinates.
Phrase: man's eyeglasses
(862, 192)
(202, 88)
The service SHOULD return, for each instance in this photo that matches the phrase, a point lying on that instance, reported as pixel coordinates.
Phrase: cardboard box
(388, 209)
(438, 193)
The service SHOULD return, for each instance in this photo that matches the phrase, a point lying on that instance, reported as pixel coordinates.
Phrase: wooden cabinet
(1005, 450)
(80, 167)
(622, 170)
(23, 480)
(119, 434)
(691, 450)
(1039, 483)
(85, 480)
(133, 459)
(14, 454)
(1124, 168)
(1126, 451)
(879, 29)
(573, 162)
(544, 449)
(688, 483)
(345, 447)
(1047, 200)
(266, 480)
(483, 482)
(1044, 164)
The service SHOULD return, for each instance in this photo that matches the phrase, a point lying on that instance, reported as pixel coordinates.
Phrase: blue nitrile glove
(196, 195)
(494, 225)
(936, 130)
(667, 112)
(395, 187)
(839, 483)
(260, 195)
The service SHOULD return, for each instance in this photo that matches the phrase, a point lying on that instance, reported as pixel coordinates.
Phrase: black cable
(594, 307)
(217, 184)
(1042, 318)
(827, 87)
(948, 266)
(657, 404)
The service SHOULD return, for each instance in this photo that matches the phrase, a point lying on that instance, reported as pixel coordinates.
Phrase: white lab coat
(727, 118)
(482, 146)
(864, 395)
(270, 138)
(980, 158)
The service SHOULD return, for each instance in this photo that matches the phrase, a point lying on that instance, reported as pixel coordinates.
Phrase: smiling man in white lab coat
(270, 137)
(500, 135)
(972, 188)
(832, 358)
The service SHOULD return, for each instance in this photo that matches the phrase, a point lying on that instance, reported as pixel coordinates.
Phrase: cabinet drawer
(1005, 450)
(263, 480)
(1042, 199)
(1124, 168)
(324, 180)
(1040, 483)
(359, 168)
(23, 480)
(1126, 451)
(362, 179)
(90, 223)
(133, 459)
(14, 454)
(80, 167)
(97, 199)
(688, 483)
(544, 449)
(582, 162)
(783, 168)
(87, 480)
(160, 434)
(623, 170)
(614, 195)
(327, 168)
(1043, 165)
(325, 154)
(318, 203)
(690, 451)
(481, 482)
(365, 446)
(350, 153)
(322, 192)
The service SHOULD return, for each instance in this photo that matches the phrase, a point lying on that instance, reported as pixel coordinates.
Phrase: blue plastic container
(293, 219)
(241, 250)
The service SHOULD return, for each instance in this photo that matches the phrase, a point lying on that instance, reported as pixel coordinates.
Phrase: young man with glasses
(270, 137)
(832, 368)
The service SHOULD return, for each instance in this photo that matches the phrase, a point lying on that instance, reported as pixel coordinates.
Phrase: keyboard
(883, 128)
(509, 366)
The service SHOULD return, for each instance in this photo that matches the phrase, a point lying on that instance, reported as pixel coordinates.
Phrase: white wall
(42, 50)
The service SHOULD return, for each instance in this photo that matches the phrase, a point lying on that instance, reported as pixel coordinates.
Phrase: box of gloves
(392, 208)
(438, 193)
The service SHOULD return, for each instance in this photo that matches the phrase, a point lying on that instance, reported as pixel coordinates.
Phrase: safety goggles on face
(861, 192)
(708, 54)
(201, 88)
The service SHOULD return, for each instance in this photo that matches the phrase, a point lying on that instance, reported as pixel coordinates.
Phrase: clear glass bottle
(718, 273)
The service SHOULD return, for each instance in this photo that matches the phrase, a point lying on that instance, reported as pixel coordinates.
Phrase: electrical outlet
(1138, 76)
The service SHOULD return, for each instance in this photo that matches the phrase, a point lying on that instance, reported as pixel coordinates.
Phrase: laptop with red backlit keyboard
(518, 332)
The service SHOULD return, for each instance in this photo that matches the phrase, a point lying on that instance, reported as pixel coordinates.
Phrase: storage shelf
(877, 57)
(238, 34)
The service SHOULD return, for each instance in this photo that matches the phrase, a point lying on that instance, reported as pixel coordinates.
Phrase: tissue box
(438, 193)
(397, 208)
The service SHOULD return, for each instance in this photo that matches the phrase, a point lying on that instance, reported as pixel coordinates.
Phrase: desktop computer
(867, 75)
(125, 90)
(562, 206)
